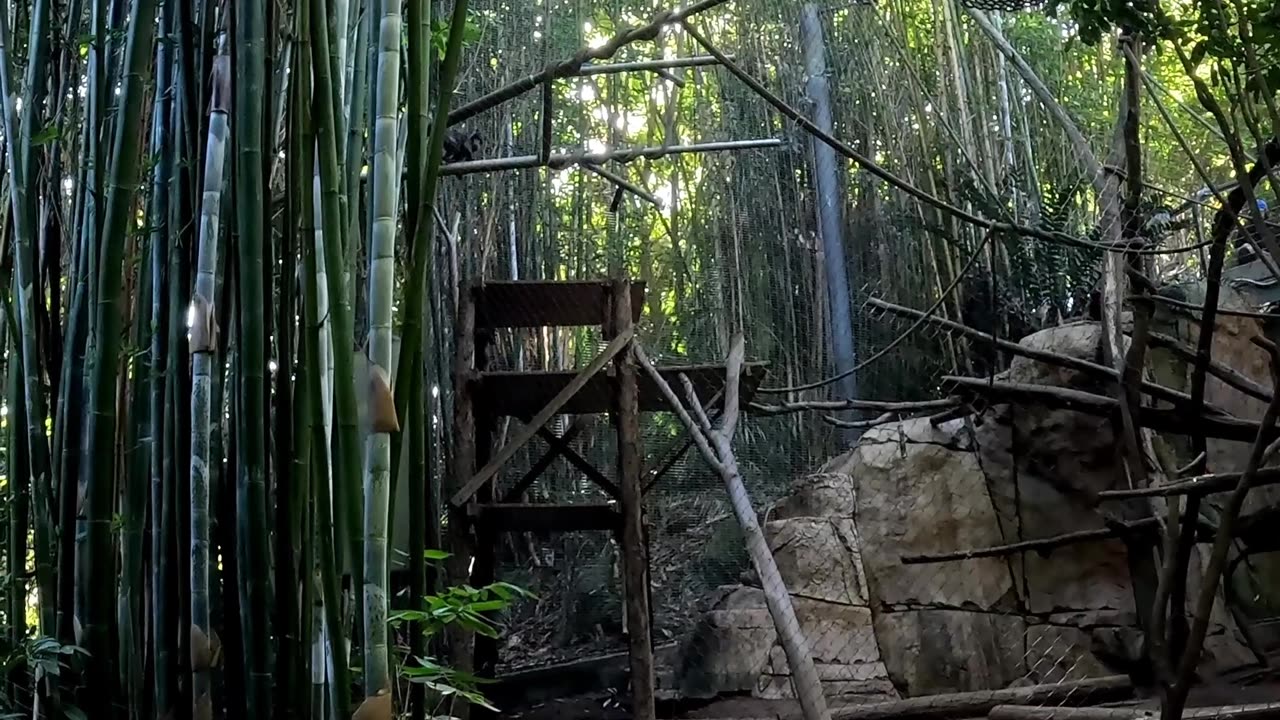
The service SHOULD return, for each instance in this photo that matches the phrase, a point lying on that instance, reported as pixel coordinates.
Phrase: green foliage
(46, 660)
(440, 34)
(464, 606)
(1097, 18)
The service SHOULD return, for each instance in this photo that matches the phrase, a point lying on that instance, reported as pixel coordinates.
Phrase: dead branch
(1172, 302)
(857, 424)
(1212, 575)
(837, 405)
(574, 65)
(976, 704)
(1172, 421)
(1261, 711)
(717, 449)
(1051, 358)
(1043, 546)
(1198, 486)
(1228, 376)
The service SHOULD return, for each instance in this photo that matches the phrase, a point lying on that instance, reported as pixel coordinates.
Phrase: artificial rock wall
(881, 629)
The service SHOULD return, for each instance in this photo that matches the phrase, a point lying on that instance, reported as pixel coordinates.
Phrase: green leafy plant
(464, 606)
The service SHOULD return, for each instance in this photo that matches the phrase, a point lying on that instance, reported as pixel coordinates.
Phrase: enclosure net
(861, 507)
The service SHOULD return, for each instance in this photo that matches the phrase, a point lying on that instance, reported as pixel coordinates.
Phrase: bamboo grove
(184, 450)
(224, 299)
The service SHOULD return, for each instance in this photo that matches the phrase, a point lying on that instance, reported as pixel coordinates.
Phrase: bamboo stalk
(251, 522)
(384, 205)
(204, 354)
(94, 547)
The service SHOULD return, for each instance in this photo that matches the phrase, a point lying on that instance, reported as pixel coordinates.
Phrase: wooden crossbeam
(544, 415)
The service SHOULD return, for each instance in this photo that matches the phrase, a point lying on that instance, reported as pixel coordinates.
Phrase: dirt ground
(614, 707)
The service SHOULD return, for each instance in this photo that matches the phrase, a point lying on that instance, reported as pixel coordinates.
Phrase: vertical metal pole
(830, 221)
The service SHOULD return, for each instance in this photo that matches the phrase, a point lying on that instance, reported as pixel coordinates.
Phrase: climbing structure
(487, 503)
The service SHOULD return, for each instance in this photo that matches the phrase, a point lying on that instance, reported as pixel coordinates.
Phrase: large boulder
(880, 627)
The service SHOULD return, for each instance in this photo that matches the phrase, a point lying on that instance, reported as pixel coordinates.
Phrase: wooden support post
(485, 569)
(464, 464)
(634, 556)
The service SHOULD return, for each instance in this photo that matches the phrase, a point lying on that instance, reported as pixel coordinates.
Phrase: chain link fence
(941, 548)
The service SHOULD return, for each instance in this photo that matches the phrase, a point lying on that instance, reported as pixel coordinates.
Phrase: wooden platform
(523, 394)
(537, 303)
(547, 517)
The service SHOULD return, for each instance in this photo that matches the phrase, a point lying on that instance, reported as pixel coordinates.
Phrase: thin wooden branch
(1201, 486)
(1260, 711)
(574, 65)
(837, 405)
(1228, 376)
(1051, 358)
(978, 703)
(1227, 518)
(1173, 302)
(858, 424)
(1043, 546)
(559, 161)
(1158, 419)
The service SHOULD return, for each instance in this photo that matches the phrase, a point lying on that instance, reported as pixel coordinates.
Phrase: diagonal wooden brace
(544, 415)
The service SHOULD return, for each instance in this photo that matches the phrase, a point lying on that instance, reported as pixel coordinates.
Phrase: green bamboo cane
(385, 190)
(421, 244)
(341, 683)
(204, 355)
(133, 585)
(347, 442)
(252, 536)
(417, 427)
(301, 166)
(19, 499)
(290, 489)
(94, 556)
(19, 143)
(163, 621)
(321, 137)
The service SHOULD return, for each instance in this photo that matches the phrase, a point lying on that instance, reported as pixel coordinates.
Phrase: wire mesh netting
(937, 543)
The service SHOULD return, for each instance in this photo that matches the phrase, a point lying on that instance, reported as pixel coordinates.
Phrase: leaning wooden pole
(634, 552)
(717, 449)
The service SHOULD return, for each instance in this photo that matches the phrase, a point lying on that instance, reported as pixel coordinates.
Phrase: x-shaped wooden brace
(559, 446)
